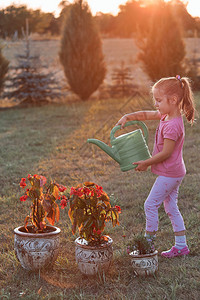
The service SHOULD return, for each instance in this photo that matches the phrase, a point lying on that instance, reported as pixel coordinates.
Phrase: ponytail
(187, 103)
(180, 87)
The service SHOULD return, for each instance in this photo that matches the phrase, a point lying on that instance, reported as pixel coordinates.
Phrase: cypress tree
(81, 51)
(163, 51)
(3, 69)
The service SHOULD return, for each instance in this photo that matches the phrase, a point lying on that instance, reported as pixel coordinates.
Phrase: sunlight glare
(104, 6)
(193, 8)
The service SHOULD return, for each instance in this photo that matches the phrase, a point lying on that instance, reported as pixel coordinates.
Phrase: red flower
(99, 190)
(63, 203)
(29, 176)
(78, 192)
(118, 209)
(94, 230)
(86, 191)
(23, 183)
(23, 198)
(72, 191)
(62, 188)
(98, 232)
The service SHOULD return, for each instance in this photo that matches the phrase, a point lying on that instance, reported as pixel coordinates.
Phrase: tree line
(137, 16)
(13, 20)
(133, 16)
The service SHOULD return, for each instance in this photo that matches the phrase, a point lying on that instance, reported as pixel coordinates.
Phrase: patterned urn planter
(36, 250)
(145, 264)
(93, 259)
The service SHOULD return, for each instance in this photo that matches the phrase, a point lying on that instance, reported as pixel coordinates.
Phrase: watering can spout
(105, 148)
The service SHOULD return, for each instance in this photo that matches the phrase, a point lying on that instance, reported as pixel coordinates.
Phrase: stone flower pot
(146, 264)
(93, 259)
(35, 251)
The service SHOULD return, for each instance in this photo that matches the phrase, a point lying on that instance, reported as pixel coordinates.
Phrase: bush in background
(28, 84)
(3, 69)
(163, 51)
(122, 82)
(81, 51)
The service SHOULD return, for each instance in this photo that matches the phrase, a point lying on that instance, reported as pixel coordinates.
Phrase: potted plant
(144, 257)
(37, 244)
(90, 210)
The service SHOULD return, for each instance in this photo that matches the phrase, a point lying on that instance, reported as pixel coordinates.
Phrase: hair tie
(179, 78)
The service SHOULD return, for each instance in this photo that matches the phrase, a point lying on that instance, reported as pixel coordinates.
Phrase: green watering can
(127, 148)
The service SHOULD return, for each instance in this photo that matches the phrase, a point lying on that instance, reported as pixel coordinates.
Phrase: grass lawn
(51, 141)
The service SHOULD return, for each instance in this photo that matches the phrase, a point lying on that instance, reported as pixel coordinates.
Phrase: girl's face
(162, 103)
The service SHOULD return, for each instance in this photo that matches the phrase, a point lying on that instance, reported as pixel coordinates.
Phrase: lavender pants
(165, 189)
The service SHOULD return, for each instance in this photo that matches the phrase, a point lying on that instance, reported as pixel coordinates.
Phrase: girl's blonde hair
(182, 89)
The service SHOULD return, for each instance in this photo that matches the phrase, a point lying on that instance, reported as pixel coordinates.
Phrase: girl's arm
(139, 116)
(166, 152)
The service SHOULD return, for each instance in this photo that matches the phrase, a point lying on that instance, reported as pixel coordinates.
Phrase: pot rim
(143, 255)
(43, 234)
(81, 242)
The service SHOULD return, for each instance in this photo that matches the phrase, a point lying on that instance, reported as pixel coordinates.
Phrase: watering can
(127, 148)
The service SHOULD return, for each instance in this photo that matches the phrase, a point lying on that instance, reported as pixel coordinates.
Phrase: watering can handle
(143, 125)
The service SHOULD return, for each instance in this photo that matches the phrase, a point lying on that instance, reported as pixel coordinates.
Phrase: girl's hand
(122, 121)
(141, 165)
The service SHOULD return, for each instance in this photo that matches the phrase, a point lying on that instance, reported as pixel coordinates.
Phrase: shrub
(3, 69)
(122, 82)
(28, 83)
(81, 51)
(163, 51)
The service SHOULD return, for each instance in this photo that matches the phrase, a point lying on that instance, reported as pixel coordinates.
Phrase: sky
(105, 6)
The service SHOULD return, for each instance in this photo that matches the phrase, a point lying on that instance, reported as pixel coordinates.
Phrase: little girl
(172, 96)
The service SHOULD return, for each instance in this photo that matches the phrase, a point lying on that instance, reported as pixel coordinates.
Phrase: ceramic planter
(93, 259)
(36, 250)
(146, 264)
